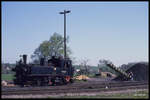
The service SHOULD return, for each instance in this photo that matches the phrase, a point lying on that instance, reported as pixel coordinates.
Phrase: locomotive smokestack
(25, 59)
(42, 61)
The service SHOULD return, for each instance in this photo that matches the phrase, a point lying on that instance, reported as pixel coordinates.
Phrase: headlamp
(54, 68)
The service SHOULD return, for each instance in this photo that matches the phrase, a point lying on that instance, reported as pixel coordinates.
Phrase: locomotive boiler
(55, 71)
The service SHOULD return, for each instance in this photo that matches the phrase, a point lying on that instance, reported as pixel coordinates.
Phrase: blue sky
(117, 31)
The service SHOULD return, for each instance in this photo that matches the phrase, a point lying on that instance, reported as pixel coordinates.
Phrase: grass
(133, 95)
(8, 77)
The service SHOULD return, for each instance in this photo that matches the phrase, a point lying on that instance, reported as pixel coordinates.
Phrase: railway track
(76, 85)
(75, 88)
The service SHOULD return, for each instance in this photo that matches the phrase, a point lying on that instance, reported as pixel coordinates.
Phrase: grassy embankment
(8, 77)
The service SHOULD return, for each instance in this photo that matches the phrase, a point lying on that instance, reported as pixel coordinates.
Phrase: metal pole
(64, 34)
(65, 31)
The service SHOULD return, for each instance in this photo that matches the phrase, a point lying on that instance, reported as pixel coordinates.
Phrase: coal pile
(140, 72)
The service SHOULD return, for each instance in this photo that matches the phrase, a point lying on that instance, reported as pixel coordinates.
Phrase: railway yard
(86, 88)
(53, 72)
(97, 87)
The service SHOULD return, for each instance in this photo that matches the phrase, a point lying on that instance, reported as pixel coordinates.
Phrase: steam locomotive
(56, 71)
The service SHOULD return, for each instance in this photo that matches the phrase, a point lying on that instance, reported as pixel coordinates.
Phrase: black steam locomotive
(53, 72)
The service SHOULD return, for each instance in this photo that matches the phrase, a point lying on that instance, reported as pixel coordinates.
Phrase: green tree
(84, 66)
(52, 47)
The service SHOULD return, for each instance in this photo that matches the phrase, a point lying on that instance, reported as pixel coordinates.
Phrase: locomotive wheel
(22, 85)
(64, 80)
(53, 82)
(39, 82)
(71, 80)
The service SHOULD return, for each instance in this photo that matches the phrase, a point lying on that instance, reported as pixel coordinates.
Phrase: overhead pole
(64, 12)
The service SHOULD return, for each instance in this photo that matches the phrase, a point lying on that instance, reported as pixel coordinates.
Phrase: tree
(52, 47)
(85, 67)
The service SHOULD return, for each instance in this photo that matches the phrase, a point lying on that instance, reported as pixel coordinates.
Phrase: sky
(115, 31)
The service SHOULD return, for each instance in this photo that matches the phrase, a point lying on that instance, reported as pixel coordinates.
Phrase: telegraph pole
(65, 12)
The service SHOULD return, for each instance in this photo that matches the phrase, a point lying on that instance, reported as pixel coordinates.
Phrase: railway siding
(76, 88)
